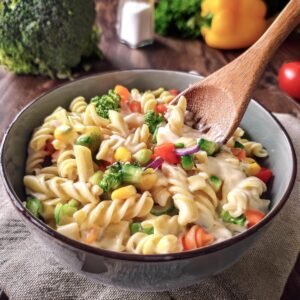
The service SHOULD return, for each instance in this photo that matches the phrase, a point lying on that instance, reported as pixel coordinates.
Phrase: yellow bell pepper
(233, 24)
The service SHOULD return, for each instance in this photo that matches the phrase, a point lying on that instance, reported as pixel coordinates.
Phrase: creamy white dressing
(230, 174)
(166, 135)
(220, 232)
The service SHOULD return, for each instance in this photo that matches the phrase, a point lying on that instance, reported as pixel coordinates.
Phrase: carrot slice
(239, 153)
(253, 216)
(203, 238)
(190, 238)
(123, 92)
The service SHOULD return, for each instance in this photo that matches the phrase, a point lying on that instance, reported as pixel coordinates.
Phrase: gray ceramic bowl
(153, 272)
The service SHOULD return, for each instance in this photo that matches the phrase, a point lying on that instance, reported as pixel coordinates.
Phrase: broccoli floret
(112, 178)
(119, 173)
(153, 120)
(46, 37)
(104, 103)
(178, 18)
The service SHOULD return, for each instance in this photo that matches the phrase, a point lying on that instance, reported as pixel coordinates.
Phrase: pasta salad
(128, 172)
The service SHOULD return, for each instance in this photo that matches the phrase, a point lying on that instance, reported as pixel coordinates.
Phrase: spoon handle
(246, 70)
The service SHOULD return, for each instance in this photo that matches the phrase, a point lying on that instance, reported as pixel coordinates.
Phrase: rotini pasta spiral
(148, 102)
(35, 160)
(90, 117)
(138, 140)
(113, 211)
(58, 117)
(164, 224)
(183, 198)
(160, 191)
(166, 97)
(51, 170)
(248, 191)
(239, 132)
(205, 198)
(141, 243)
(108, 147)
(78, 105)
(41, 136)
(176, 118)
(253, 148)
(47, 186)
(118, 125)
(66, 164)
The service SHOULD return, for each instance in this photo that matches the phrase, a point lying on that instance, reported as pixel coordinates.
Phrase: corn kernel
(122, 154)
(80, 216)
(253, 169)
(123, 192)
(147, 181)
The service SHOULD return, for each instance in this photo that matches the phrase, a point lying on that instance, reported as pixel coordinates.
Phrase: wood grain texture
(166, 53)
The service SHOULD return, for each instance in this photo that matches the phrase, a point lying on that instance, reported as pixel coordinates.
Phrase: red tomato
(135, 106)
(49, 147)
(166, 152)
(265, 175)
(174, 92)
(289, 79)
(161, 109)
(253, 216)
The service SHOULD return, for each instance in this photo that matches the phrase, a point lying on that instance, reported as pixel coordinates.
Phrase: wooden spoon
(220, 100)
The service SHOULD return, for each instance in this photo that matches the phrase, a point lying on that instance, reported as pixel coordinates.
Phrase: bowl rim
(51, 233)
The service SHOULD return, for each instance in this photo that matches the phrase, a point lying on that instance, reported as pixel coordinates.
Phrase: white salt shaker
(135, 22)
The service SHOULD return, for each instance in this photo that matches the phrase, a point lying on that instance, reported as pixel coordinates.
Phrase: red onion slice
(156, 163)
(187, 151)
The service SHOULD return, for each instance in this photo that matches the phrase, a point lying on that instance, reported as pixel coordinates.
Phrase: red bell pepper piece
(135, 106)
(166, 152)
(265, 175)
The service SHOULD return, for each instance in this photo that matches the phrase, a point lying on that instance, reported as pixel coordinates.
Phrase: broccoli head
(178, 18)
(105, 103)
(153, 120)
(112, 178)
(46, 37)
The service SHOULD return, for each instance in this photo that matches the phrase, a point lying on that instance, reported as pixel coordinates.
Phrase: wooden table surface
(166, 53)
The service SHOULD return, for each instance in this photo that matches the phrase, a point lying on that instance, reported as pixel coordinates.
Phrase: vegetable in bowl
(47, 37)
